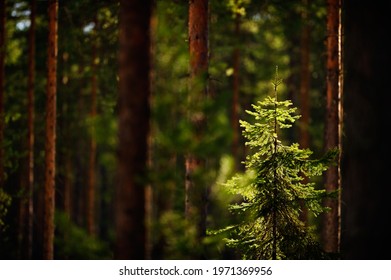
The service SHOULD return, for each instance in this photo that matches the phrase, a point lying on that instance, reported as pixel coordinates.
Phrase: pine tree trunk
(80, 168)
(2, 87)
(92, 155)
(27, 209)
(67, 154)
(134, 117)
(195, 190)
(151, 204)
(331, 220)
(304, 136)
(50, 141)
(293, 80)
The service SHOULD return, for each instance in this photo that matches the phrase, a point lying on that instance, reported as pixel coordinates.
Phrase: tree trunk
(151, 206)
(304, 136)
(80, 168)
(134, 115)
(92, 156)
(26, 217)
(331, 220)
(293, 35)
(305, 80)
(236, 151)
(195, 190)
(2, 87)
(50, 141)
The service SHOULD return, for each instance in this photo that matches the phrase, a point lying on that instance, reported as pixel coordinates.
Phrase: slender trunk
(235, 100)
(196, 192)
(81, 163)
(134, 116)
(67, 153)
(50, 142)
(304, 137)
(293, 80)
(92, 156)
(27, 209)
(332, 179)
(305, 81)
(150, 203)
(2, 87)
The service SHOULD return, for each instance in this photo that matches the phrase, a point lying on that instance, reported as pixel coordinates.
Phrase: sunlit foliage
(272, 188)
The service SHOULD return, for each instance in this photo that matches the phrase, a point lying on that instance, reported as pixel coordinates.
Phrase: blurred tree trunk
(365, 169)
(68, 187)
(332, 179)
(152, 205)
(91, 187)
(236, 143)
(26, 206)
(80, 168)
(134, 118)
(195, 190)
(293, 35)
(50, 142)
(304, 136)
(2, 87)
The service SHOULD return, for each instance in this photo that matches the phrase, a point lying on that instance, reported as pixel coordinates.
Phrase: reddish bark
(331, 220)
(196, 192)
(50, 141)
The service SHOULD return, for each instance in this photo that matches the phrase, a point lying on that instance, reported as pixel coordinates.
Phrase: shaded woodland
(130, 129)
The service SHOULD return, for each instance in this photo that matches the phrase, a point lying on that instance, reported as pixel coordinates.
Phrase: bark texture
(332, 179)
(196, 191)
(50, 140)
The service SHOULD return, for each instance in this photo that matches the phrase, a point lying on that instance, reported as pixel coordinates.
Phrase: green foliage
(273, 188)
(73, 242)
(180, 236)
(181, 242)
(237, 7)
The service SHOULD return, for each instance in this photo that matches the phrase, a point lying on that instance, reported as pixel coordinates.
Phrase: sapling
(273, 190)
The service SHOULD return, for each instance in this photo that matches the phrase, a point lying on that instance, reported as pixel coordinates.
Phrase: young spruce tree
(272, 188)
